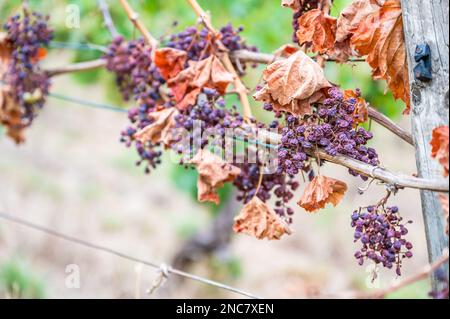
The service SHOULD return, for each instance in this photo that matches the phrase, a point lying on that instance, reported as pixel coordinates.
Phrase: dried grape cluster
(137, 78)
(331, 127)
(381, 230)
(197, 42)
(28, 34)
(213, 119)
(248, 184)
(136, 75)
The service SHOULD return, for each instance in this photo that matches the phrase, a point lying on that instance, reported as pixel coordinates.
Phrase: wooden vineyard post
(427, 22)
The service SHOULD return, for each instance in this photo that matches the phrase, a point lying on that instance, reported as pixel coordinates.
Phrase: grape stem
(76, 67)
(225, 58)
(134, 18)
(109, 23)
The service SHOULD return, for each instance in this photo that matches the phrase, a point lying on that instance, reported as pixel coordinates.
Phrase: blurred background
(73, 175)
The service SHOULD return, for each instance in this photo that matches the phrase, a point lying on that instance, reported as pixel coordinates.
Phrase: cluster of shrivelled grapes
(137, 78)
(330, 127)
(197, 42)
(136, 75)
(338, 134)
(380, 231)
(282, 186)
(28, 34)
(206, 123)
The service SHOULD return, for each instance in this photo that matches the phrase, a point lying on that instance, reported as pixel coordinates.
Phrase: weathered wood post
(427, 21)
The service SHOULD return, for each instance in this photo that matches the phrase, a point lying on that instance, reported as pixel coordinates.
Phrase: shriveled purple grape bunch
(213, 119)
(381, 231)
(136, 75)
(278, 185)
(137, 78)
(331, 127)
(28, 34)
(196, 41)
(337, 115)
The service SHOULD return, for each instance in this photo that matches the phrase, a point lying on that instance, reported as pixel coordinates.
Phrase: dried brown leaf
(317, 30)
(380, 36)
(321, 191)
(257, 219)
(439, 147)
(293, 84)
(161, 129)
(209, 72)
(350, 18)
(170, 61)
(213, 174)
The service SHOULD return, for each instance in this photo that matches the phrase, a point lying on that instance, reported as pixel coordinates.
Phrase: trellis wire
(77, 46)
(111, 251)
(88, 103)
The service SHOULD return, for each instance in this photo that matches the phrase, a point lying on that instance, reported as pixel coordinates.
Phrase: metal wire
(111, 251)
(88, 103)
(77, 46)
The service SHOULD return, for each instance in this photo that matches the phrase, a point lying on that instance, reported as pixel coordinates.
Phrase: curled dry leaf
(170, 61)
(317, 30)
(444, 202)
(213, 174)
(321, 191)
(209, 72)
(293, 84)
(350, 18)
(361, 113)
(260, 221)
(161, 129)
(380, 36)
(439, 146)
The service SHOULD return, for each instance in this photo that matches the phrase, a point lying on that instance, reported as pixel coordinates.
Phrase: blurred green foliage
(18, 281)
